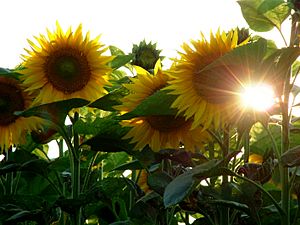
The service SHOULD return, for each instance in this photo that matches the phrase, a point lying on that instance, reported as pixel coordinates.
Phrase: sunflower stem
(284, 175)
(9, 176)
(285, 132)
(224, 213)
(76, 173)
(246, 145)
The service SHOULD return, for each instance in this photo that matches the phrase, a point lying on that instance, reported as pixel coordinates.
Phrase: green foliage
(157, 104)
(264, 15)
(55, 112)
(110, 100)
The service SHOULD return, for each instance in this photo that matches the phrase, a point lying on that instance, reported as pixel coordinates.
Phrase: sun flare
(258, 97)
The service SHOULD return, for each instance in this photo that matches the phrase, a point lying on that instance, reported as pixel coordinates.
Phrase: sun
(259, 97)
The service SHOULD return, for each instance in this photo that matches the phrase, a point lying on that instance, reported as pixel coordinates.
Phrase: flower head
(66, 65)
(207, 99)
(14, 98)
(163, 131)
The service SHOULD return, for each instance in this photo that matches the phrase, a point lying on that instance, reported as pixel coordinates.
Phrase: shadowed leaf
(55, 112)
(157, 104)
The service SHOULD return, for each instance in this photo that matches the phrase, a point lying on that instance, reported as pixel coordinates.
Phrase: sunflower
(164, 131)
(14, 98)
(66, 65)
(207, 100)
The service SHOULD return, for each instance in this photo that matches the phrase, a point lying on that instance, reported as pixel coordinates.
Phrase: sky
(122, 23)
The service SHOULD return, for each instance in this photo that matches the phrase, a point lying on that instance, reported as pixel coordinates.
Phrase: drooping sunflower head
(13, 98)
(66, 65)
(204, 98)
(163, 131)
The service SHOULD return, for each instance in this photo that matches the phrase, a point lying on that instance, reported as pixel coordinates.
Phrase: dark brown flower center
(67, 70)
(166, 123)
(217, 86)
(11, 100)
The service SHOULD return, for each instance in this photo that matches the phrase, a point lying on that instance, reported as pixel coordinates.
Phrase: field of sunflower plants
(150, 144)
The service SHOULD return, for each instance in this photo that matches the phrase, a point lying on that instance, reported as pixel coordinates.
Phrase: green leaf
(120, 60)
(155, 105)
(38, 166)
(268, 5)
(132, 165)
(115, 50)
(159, 181)
(281, 60)
(254, 62)
(295, 68)
(108, 134)
(11, 73)
(55, 112)
(21, 216)
(230, 204)
(182, 186)
(126, 222)
(179, 188)
(107, 102)
(249, 55)
(109, 142)
(9, 167)
(291, 157)
(264, 15)
(4, 71)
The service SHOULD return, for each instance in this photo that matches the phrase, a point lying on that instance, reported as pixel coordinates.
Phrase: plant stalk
(246, 145)
(285, 132)
(75, 169)
(224, 211)
(284, 175)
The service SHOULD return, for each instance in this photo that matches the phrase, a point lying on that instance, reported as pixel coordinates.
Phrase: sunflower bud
(145, 55)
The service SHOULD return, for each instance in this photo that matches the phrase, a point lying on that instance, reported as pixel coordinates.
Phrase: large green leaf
(281, 60)
(55, 112)
(181, 186)
(120, 60)
(99, 126)
(132, 165)
(179, 189)
(252, 63)
(158, 181)
(261, 141)
(9, 73)
(107, 102)
(115, 50)
(38, 166)
(264, 15)
(8, 167)
(155, 105)
(249, 55)
(107, 133)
